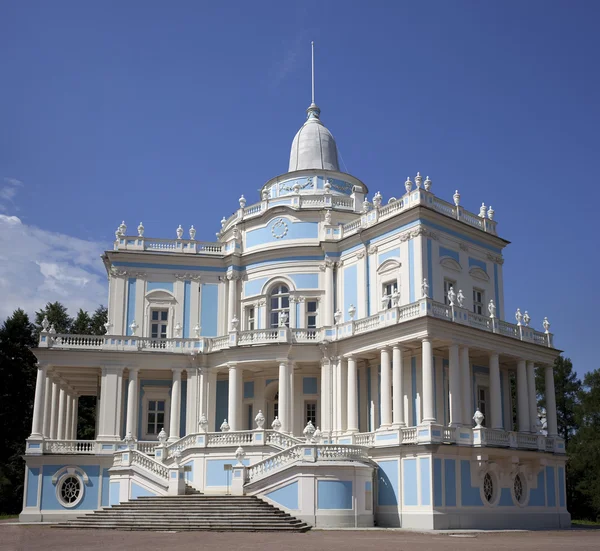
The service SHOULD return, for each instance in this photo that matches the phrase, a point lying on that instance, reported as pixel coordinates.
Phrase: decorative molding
(451, 264)
(463, 247)
(373, 249)
(495, 258)
(360, 254)
(477, 273)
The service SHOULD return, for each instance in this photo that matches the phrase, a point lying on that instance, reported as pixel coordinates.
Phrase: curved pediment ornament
(389, 265)
(477, 273)
(450, 263)
(160, 295)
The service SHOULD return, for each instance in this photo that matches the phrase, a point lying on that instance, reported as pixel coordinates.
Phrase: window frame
(275, 292)
(154, 393)
(164, 322)
(478, 306)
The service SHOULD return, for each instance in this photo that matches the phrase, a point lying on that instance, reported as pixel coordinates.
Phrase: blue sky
(166, 112)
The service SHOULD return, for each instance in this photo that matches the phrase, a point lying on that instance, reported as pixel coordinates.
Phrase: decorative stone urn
(418, 180)
(546, 325)
(408, 185)
(337, 317)
(122, 229)
(197, 330)
(203, 423)
(276, 424)
(242, 201)
(235, 322)
(283, 318)
(260, 419)
(176, 457)
(178, 330)
(482, 211)
(518, 316)
(317, 435)
(140, 230)
(225, 426)
(45, 324)
(478, 418)
(162, 436)
(352, 312)
(456, 198)
(133, 327)
(309, 431)
(192, 233)
(240, 454)
(377, 198)
(526, 319)
(427, 183)
(129, 440)
(179, 232)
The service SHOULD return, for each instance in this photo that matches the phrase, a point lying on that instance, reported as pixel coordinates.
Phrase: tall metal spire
(312, 44)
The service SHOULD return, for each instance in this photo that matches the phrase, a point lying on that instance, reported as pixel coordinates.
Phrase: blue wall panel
(139, 491)
(413, 384)
(430, 269)
(550, 487)
(114, 493)
(105, 488)
(254, 286)
(437, 483)
(295, 230)
(309, 385)
(387, 477)
(393, 253)
(450, 482)
(216, 475)
(505, 498)
(334, 494)
(287, 496)
(162, 285)
(470, 495)
(33, 478)
(478, 263)
(561, 486)
(450, 253)
(537, 496)
(350, 289)
(210, 309)
(90, 495)
(497, 291)
(248, 389)
(409, 482)
(425, 468)
(305, 281)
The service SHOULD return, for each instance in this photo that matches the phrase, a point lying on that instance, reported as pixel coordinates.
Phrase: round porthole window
(488, 488)
(519, 489)
(70, 490)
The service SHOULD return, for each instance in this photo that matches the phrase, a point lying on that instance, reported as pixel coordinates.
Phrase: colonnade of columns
(340, 406)
(55, 407)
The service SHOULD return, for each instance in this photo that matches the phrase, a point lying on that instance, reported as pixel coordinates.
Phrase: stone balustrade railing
(313, 453)
(385, 318)
(368, 215)
(141, 460)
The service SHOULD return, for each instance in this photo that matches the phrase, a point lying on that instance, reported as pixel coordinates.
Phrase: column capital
(351, 356)
(398, 346)
(133, 370)
(426, 339)
(232, 365)
(384, 348)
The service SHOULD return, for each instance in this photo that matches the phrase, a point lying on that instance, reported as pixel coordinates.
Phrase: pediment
(160, 295)
(451, 264)
(389, 265)
(478, 273)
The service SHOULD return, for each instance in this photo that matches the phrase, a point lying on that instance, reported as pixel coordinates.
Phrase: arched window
(280, 305)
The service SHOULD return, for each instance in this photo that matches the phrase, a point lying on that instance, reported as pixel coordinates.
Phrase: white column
(232, 300)
(293, 307)
(284, 395)
(328, 299)
(532, 396)
(47, 406)
(110, 403)
(386, 389)
(342, 388)
(466, 394)
(522, 401)
(202, 403)
(68, 415)
(191, 419)
(235, 398)
(325, 398)
(301, 305)
(132, 403)
(363, 422)
(374, 405)
(427, 371)
(54, 410)
(175, 406)
(62, 412)
(292, 401)
(352, 414)
(551, 402)
(495, 392)
(398, 388)
(75, 417)
(38, 404)
(454, 385)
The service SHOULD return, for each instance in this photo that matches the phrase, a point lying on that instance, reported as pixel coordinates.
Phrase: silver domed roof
(313, 146)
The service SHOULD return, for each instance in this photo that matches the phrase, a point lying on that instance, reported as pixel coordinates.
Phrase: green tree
(18, 375)
(57, 315)
(82, 324)
(584, 451)
(567, 388)
(99, 318)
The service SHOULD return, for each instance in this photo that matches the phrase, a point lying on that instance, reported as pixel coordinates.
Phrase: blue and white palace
(343, 356)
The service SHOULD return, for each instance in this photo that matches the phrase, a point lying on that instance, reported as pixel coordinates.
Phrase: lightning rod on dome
(312, 46)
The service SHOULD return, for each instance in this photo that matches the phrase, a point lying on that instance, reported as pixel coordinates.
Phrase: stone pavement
(43, 537)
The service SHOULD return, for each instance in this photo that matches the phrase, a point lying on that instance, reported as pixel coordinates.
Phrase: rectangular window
(251, 318)
(482, 399)
(388, 289)
(156, 416)
(311, 314)
(448, 283)
(310, 413)
(478, 301)
(158, 327)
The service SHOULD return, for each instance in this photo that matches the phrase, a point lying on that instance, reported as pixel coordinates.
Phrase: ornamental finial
(418, 180)
(482, 211)
(456, 198)
(427, 183)
(408, 185)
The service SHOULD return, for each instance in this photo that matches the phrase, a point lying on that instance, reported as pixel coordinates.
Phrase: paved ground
(40, 537)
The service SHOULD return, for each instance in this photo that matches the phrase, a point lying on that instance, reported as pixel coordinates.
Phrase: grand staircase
(191, 512)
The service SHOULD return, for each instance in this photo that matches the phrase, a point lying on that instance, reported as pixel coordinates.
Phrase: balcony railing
(385, 318)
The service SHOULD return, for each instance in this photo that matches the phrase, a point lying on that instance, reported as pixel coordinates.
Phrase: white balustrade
(497, 438)
(444, 207)
(439, 310)
(365, 439)
(146, 463)
(237, 438)
(219, 343)
(479, 321)
(258, 336)
(367, 324)
(527, 441)
(70, 446)
(409, 435)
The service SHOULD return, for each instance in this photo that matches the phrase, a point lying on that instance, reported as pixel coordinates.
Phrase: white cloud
(37, 266)
(8, 189)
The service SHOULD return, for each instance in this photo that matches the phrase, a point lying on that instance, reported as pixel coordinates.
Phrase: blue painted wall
(413, 381)
(49, 500)
(550, 487)
(425, 472)
(470, 496)
(393, 253)
(287, 496)
(561, 486)
(350, 289)
(430, 269)
(138, 491)
(506, 499)
(478, 263)
(334, 494)
(497, 291)
(295, 230)
(437, 483)
(210, 309)
(131, 283)
(105, 488)
(305, 281)
(387, 479)
(216, 475)
(450, 482)
(409, 482)
(163, 285)
(537, 496)
(114, 493)
(449, 252)
(309, 385)
(248, 389)
(33, 478)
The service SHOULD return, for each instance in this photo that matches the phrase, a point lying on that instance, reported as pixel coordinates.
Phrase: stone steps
(191, 512)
